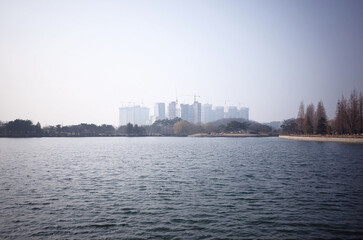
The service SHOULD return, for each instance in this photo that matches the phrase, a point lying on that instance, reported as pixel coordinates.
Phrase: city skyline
(194, 113)
(77, 61)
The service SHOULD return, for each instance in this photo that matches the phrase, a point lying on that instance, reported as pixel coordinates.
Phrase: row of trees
(166, 127)
(348, 118)
(20, 127)
(132, 130)
(237, 125)
(83, 130)
(312, 121)
(26, 128)
(349, 114)
(179, 127)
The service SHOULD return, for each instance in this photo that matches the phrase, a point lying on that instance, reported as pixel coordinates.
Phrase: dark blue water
(179, 188)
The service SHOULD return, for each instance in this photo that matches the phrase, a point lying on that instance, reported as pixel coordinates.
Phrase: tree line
(165, 127)
(348, 118)
(26, 128)
(20, 127)
(349, 114)
(179, 127)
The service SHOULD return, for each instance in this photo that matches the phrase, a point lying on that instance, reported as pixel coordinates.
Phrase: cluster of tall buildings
(194, 113)
(135, 115)
(209, 114)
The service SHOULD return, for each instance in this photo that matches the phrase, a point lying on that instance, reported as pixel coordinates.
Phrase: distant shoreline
(338, 139)
(231, 135)
(236, 135)
(83, 136)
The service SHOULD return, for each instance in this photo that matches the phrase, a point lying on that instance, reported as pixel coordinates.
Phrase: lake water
(179, 188)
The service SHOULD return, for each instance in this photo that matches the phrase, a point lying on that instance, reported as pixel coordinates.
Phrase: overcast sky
(78, 61)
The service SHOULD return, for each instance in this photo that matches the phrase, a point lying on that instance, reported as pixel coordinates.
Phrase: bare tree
(341, 117)
(309, 119)
(300, 118)
(360, 122)
(353, 113)
(183, 128)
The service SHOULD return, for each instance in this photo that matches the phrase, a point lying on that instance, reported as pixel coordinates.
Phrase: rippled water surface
(179, 188)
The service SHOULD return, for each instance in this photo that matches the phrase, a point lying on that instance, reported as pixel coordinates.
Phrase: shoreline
(231, 135)
(337, 139)
(236, 135)
(89, 136)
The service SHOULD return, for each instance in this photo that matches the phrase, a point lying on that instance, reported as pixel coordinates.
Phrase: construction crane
(127, 104)
(195, 96)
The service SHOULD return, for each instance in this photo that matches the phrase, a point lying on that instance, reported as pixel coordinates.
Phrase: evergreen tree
(322, 126)
(320, 119)
(308, 120)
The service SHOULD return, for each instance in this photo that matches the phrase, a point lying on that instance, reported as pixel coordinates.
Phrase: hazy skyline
(77, 61)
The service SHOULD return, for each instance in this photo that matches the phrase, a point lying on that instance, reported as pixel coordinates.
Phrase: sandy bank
(340, 139)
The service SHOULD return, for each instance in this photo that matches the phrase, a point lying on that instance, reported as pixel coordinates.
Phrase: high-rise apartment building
(134, 115)
(172, 111)
(186, 112)
(207, 113)
(191, 113)
(232, 112)
(219, 113)
(244, 113)
(197, 112)
(159, 111)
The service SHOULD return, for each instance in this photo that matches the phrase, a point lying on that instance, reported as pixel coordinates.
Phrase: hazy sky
(78, 61)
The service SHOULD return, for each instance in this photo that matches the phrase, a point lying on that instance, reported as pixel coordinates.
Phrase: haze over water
(179, 188)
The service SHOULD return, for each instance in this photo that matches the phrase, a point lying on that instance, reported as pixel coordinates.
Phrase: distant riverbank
(151, 135)
(231, 135)
(339, 138)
